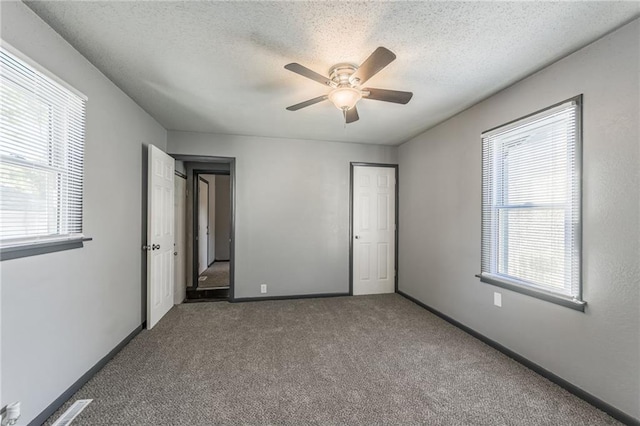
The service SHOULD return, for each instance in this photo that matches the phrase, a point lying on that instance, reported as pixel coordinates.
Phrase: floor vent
(67, 417)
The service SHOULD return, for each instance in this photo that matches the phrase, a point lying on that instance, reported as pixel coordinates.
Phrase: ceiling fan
(346, 80)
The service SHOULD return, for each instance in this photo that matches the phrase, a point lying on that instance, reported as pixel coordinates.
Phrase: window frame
(45, 244)
(520, 286)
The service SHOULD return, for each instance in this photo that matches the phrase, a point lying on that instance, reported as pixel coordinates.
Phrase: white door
(180, 284)
(159, 235)
(203, 225)
(374, 218)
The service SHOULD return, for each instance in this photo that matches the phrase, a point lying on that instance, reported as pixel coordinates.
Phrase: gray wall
(62, 312)
(439, 252)
(292, 209)
(223, 217)
(180, 167)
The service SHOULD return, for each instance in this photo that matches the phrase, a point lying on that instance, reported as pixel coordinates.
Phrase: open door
(203, 224)
(160, 235)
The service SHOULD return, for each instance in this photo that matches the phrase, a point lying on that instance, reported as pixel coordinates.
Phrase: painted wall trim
(58, 402)
(17, 252)
(580, 393)
(578, 305)
(294, 296)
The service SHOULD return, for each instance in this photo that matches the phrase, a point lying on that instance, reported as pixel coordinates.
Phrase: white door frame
(180, 235)
(351, 234)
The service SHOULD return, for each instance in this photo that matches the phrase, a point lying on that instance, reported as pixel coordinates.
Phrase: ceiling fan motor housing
(340, 74)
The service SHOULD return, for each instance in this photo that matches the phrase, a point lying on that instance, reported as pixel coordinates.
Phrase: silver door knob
(146, 247)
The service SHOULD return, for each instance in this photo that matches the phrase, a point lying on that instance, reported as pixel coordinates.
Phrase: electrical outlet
(11, 414)
(497, 299)
(263, 288)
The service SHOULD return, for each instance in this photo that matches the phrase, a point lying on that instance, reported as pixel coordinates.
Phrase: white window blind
(42, 131)
(531, 202)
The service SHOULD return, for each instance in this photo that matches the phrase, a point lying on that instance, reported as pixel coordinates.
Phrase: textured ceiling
(218, 66)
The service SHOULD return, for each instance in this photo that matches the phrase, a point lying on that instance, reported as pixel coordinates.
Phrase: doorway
(373, 247)
(214, 230)
(209, 227)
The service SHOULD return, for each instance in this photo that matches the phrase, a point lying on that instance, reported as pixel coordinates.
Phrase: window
(531, 205)
(42, 125)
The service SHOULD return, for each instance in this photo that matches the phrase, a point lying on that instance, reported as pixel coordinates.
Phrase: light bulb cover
(345, 98)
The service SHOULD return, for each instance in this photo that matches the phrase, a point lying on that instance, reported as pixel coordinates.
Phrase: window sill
(578, 305)
(27, 250)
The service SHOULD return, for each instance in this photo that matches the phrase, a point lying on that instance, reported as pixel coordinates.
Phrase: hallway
(215, 276)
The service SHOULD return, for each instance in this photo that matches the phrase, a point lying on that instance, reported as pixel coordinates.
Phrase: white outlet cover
(263, 288)
(497, 299)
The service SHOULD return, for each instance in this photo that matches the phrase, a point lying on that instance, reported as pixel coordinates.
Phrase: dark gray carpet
(216, 275)
(348, 360)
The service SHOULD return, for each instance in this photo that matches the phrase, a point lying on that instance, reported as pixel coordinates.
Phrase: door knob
(357, 237)
(155, 247)
(146, 247)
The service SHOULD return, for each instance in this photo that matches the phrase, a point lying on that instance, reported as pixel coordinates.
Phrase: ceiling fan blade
(380, 58)
(352, 115)
(394, 96)
(306, 72)
(307, 103)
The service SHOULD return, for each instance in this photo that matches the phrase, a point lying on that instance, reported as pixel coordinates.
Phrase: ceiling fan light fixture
(345, 98)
